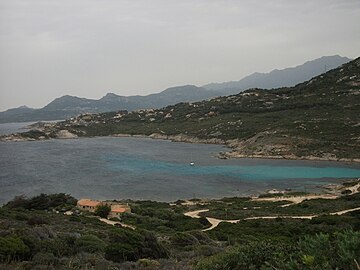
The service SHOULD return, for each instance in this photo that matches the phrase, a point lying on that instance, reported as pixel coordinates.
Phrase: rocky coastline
(238, 148)
(235, 153)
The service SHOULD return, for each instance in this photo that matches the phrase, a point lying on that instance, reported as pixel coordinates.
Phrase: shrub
(12, 248)
(120, 252)
(148, 264)
(36, 220)
(184, 239)
(90, 243)
(43, 202)
(102, 211)
(133, 245)
(254, 255)
(45, 258)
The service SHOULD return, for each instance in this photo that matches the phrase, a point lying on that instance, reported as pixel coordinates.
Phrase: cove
(140, 168)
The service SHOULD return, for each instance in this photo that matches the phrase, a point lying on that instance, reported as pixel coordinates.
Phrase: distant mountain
(281, 78)
(68, 106)
(20, 112)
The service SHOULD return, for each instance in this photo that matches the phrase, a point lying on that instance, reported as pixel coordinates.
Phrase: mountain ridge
(281, 77)
(69, 106)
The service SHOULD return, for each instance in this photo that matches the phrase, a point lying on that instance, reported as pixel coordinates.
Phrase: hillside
(317, 119)
(49, 232)
(281, 78)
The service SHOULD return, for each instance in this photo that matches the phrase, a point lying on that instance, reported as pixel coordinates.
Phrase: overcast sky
(49, 48)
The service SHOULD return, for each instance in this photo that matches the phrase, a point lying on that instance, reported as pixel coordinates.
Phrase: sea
(147, 169)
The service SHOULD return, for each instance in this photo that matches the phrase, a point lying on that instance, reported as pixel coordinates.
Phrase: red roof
(118, 209)
(88, 202)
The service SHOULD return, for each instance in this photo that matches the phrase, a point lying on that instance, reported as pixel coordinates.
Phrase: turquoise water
(122, 168)
(132, 164)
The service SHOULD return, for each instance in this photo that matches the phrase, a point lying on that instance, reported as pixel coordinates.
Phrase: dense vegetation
(36, 234)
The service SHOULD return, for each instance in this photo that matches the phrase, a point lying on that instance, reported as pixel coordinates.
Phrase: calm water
(9, 128)
(117, 168)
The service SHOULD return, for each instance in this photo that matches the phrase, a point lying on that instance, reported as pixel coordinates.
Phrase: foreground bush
(322, 251)
(12, 248)
(128, 245)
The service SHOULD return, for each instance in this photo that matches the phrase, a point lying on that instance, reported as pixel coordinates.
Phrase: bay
(142, 168)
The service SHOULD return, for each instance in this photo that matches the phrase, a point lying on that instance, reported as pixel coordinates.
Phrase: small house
(88, 204)
(118, 209)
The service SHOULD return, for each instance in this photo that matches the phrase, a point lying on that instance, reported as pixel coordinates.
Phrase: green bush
(120, 252)
(315, 250)
(36, 220)
(102, 211)
(320, 251)
(90, 243)
(12, 248)
(43, 201)
(132, 245)
(148, 264)
(256, 255)
(348, 248)
(183, 239)
(45, 258)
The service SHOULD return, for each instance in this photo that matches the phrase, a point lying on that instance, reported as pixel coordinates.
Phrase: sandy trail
(195, 214)
(354, 189)
(215, 222)
(113, 223)
(296, 199)
(306, 217)
(345, 211)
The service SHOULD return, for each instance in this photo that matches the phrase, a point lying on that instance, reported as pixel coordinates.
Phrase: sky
(87, 48)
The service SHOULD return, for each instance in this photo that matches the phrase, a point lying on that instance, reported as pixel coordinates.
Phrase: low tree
(102, 211)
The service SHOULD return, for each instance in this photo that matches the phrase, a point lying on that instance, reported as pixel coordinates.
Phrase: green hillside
(49, 232)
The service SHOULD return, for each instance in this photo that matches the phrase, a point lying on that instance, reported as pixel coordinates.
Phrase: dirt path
(354, 189)
(306, 217)
(296, 199)
(110, 222)
(275, 217)
(195, 214)
(215, 222)
(345, 211)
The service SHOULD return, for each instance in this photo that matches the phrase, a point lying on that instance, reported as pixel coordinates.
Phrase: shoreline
(233, 154)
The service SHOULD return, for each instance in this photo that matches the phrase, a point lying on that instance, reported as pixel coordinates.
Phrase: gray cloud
(50, 48)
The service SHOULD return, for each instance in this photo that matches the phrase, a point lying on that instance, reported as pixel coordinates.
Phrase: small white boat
(192, 163)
